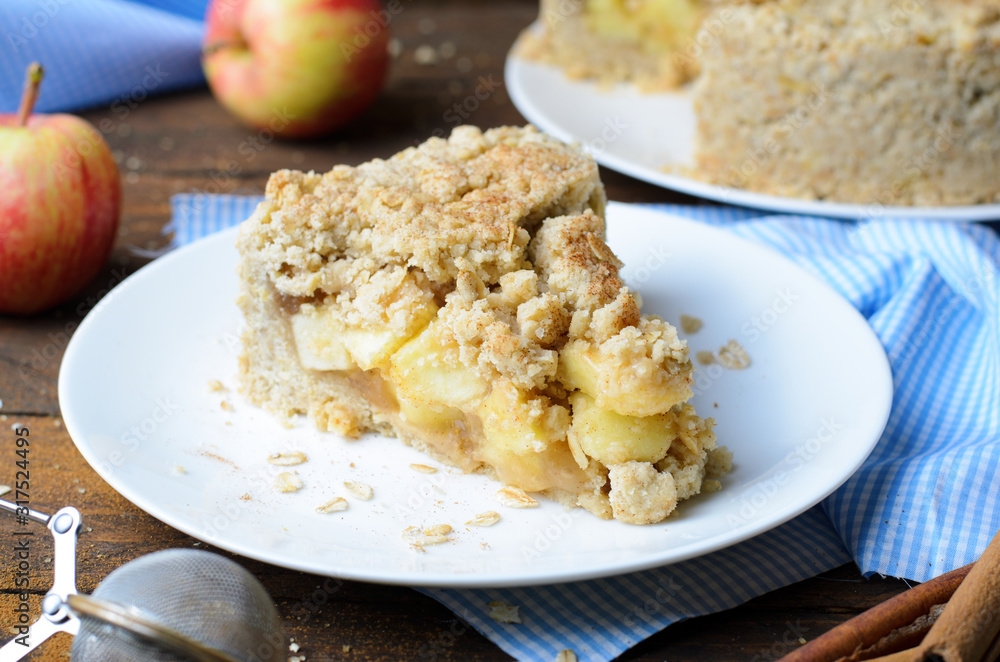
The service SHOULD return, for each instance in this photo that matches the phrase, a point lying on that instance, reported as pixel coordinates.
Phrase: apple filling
(460, 297)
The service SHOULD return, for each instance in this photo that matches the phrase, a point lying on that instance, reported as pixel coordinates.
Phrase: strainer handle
(64, 527)
(24, 511)
(38, 633)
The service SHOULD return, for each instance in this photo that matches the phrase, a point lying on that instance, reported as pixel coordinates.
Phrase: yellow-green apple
(60, 200)
(297, 68)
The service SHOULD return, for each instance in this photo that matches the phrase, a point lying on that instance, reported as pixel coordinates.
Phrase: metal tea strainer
(173, 605)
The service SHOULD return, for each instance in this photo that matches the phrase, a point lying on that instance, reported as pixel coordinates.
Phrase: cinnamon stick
(968, 626)
(994, 651)
(890, 626)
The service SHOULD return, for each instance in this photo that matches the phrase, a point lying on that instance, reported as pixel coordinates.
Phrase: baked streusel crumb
(460, 296)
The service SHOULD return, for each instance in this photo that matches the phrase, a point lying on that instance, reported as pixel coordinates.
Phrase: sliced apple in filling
(435, 417)
(427, 371)
(628, 383)
(329, 337)
(611, 438)
(524, 440)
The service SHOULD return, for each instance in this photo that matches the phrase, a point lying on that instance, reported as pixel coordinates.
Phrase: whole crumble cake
(854, 101)
(850, 101)
(460, 296)
(651, 43)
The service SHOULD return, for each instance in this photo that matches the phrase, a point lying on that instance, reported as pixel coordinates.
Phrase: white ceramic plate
(641, 134)
(134, 391)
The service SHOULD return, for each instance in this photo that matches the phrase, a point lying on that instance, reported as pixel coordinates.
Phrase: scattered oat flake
(431, 536)
(423, 468)
(226, 406)
(432, 540)
(802, 640)
(346, 648)
(566, 655)
(361, 490)
(501, 612)
(515, 497)
(334, 505)
(705, 357)
(690, 324)
(82, 490)
(287, 459)
(487, 518)
(287, 481)
(294, 647)
(733, 356)
(216, 385)
(178, 469)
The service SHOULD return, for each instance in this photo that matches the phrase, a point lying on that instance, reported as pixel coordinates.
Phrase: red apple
(59, 206)
(297, 68)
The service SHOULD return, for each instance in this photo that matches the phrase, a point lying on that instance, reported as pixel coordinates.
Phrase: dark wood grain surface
(185, 142)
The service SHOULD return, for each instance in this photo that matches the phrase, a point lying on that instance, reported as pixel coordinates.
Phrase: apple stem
(222, 44)
(32, 81)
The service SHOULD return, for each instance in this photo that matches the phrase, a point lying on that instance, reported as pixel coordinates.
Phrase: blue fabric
(926, 501)
(99, 52)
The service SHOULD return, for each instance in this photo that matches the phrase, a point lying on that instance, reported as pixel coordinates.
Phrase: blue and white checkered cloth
(99, 52)
(926, 501)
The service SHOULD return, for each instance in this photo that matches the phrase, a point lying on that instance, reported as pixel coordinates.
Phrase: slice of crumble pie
(460, 297)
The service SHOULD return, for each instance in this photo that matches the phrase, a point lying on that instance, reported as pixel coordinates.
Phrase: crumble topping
(460, 295)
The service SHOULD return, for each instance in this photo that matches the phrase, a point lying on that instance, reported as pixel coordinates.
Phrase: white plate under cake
(167, 429)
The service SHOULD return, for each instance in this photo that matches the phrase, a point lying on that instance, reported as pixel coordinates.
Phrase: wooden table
(185, 142)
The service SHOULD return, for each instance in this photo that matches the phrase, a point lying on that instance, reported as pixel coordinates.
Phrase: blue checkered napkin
(600, 619)
(99, 52)
(925, 502)
(928, 498)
